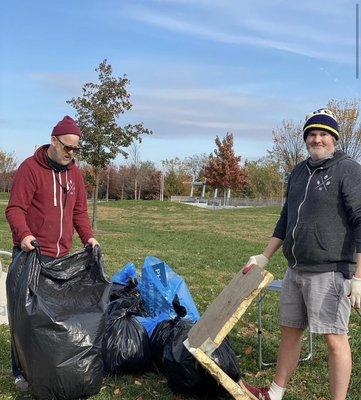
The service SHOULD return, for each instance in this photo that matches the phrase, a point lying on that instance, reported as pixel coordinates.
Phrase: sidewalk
(3, 307)
(5, 258)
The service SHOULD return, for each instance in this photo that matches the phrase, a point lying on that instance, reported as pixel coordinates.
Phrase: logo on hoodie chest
(70, 187)
(323, 183)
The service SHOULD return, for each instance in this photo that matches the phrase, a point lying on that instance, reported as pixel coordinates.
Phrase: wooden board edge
(233, 388)
(268, 277)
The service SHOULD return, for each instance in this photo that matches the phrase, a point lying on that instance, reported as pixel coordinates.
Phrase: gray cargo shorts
(316, 300)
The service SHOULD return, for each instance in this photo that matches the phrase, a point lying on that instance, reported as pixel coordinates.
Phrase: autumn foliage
(224, 169)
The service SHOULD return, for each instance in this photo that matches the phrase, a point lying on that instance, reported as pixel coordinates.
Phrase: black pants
(16, 369)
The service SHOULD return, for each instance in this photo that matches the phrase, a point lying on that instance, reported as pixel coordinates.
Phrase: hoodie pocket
(287, 247)
(310, 246)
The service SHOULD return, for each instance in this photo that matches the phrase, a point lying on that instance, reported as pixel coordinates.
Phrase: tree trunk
(135, 188)
(108, 178)
(228, 196)
(122, 195)
(139, 191)
(95, 200)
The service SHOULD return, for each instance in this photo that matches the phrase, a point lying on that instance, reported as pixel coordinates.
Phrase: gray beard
(327, 156)
(317, 163)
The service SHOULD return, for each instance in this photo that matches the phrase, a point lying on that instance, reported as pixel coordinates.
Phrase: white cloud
(67, 81)
(181, 22)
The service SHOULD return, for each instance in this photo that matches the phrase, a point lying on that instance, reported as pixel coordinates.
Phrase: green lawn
(207, 247)
(4, 196)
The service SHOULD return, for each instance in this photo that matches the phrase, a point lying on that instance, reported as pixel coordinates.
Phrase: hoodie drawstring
(54, 188)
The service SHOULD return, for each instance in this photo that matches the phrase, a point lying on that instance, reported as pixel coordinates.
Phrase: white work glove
(260, 260)
(355, 296)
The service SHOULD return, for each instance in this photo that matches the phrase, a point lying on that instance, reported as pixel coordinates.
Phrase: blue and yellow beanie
(322, 120)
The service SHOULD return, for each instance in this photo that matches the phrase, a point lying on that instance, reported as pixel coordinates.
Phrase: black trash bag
(159, 337)
(184, 374)
(163, 331)
(225, 357)
(57, 314)
(126, 296)
(126, 346)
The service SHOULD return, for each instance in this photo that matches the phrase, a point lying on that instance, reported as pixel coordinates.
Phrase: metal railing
(233, 201)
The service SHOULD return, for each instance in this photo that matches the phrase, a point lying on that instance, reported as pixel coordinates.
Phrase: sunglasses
(67, 148)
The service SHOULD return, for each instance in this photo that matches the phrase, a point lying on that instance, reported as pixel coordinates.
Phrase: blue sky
(197, 68)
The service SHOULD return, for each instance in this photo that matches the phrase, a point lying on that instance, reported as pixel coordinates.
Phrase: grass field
(4, 196)
(207, 247)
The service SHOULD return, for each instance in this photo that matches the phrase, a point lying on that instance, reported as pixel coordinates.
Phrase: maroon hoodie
(48, 205)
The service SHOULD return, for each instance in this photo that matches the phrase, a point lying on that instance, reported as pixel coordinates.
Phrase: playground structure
(226, 201)
(202, 199)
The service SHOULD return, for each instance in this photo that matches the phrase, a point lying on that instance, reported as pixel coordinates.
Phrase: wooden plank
(224, 312)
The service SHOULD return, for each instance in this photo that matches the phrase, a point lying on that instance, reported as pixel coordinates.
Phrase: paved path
(3, 309)
(6, 257)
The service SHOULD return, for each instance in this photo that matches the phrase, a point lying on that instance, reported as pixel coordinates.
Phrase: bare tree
(134, 163)
(196, 165)
(347, 113)
(8, 164)
(288, 145)
(148, 181)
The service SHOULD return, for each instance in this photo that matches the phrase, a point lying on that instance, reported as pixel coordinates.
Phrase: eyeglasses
(67, 148)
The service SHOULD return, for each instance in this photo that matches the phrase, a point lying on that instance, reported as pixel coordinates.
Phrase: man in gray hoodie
(320, 231)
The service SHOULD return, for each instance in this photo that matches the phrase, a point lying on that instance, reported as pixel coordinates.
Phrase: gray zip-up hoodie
(320, 223)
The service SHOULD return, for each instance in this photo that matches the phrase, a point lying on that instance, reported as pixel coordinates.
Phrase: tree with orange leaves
(224, 170)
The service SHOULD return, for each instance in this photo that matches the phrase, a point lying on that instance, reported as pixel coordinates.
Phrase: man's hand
(93, 242)
(355, 296)
(259, 260)
(26, 243)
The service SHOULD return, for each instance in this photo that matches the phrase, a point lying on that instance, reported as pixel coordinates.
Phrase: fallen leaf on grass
(138, 383)
(117, 392)
(248, 350)
(260, 373)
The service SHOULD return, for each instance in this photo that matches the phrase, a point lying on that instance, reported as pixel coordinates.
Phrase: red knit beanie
(67, 126)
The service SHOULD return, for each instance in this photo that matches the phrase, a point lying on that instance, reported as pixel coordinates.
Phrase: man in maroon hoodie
(48, 200)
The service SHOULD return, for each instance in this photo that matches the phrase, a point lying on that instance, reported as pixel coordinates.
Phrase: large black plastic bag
(184, 374)
(126, 297)
(163, 331)
(57, 315)
(126, 346)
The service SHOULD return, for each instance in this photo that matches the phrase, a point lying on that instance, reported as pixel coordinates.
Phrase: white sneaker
(21, 383)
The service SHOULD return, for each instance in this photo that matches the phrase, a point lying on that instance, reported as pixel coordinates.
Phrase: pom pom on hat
(67, 126)
(321, 120)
